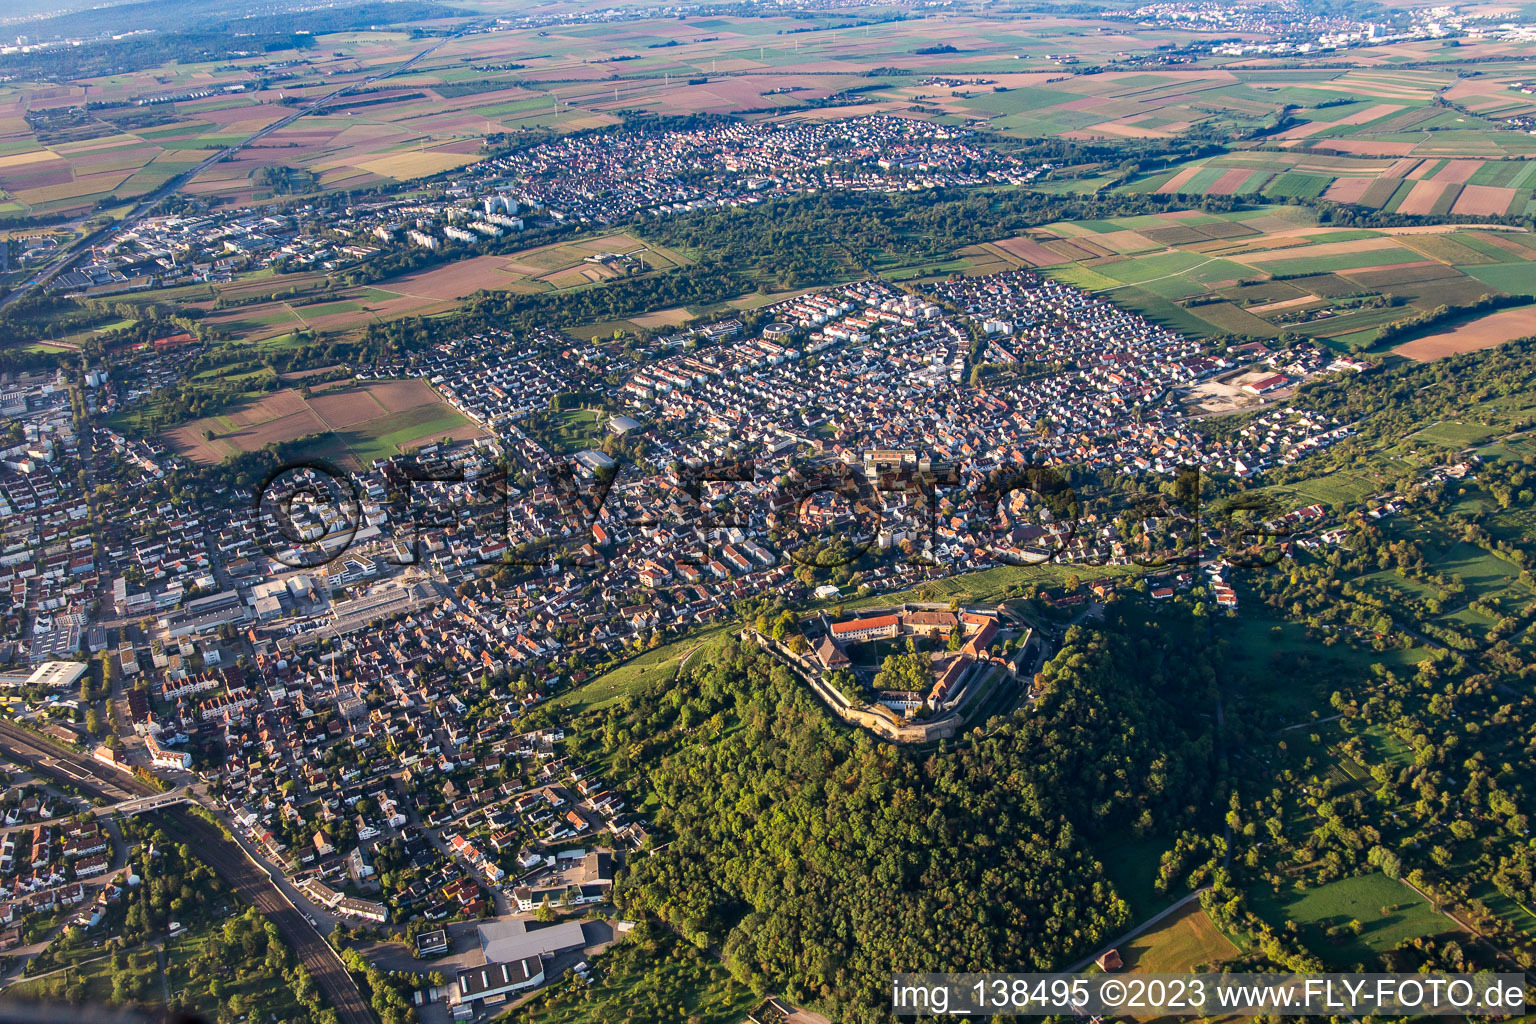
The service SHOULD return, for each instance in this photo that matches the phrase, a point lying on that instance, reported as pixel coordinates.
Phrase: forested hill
(817, 860)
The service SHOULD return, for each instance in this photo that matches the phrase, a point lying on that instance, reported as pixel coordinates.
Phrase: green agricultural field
(1495, 254)
(1362, 898)
(1515, 278)
(1458, 250)
(1295, 185)
(1344, 261)
(1082, 277)
(1151, 184)
(1483, 572)
(1160, 310)
(385, 436)
(1226, 317)
(327, 308)
(1203, 180)
(1016, 101)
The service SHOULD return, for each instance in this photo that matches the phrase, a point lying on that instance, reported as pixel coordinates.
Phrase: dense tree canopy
(818, 859)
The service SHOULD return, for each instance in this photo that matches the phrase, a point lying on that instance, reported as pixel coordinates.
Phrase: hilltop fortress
(841, 662)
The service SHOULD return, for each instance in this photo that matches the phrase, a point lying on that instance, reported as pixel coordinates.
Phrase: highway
(149, 202)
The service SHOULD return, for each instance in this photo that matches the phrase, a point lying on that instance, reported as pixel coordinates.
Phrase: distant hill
(55, 19)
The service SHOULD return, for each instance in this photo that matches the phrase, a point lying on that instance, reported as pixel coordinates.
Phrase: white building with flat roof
(50, 675)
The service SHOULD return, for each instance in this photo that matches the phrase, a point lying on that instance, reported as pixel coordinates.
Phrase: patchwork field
(1347, 130)
(311, 301)
(1374, 138)
(548, 268)
(1258, 273)
(359, 423)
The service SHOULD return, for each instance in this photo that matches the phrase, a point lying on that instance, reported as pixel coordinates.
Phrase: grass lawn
(1516, 914)
(570, 430)
(140, 979)
(1258, 641)
(872, 653)
(634, 675)
(1362, 898)
(1455, 434)
(1132, 865)
(989, 586)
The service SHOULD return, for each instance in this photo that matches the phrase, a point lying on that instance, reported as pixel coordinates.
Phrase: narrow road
(1128, 936)
(1303, 725)
(15, 968)
(1466, 925)
(165, 982)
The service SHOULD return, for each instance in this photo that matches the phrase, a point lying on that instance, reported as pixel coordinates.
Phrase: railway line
(227, 860)
(231, 864)
(63, 766)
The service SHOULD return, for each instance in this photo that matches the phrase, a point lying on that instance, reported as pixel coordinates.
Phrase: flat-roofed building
(508, 941)
(493, 981)
(50, 675)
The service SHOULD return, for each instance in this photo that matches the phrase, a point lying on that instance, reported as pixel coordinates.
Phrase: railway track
(67, 766)
(227, 860)
(252, 884)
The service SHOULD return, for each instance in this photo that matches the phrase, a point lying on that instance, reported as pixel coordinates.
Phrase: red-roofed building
(982, 639)
(864, 629)
(1264, 385)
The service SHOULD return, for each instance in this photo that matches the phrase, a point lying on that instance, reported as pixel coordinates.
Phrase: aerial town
(333, 706)
(587, 180)
(675, 514)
